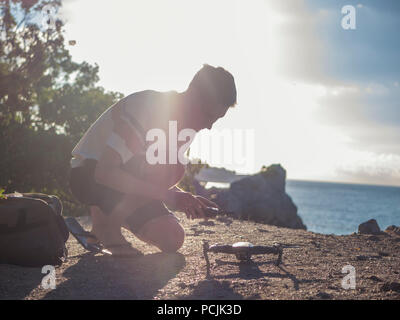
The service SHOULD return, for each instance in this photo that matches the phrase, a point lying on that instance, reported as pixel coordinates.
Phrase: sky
(320, 100)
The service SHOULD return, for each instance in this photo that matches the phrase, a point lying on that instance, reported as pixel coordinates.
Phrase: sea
(338, 208)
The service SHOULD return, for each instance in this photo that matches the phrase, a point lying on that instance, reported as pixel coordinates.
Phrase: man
(114, 173)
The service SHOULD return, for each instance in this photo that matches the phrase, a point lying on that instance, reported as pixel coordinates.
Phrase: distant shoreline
(319, 181)
(222, 175)
(346, 183)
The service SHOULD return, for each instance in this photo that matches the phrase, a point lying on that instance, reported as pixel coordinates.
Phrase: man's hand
(207, 202)
(186, 202)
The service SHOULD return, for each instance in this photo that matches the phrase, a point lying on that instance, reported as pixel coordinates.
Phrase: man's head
(211, 92)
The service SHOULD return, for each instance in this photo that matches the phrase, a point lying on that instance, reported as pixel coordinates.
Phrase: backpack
(32, 230)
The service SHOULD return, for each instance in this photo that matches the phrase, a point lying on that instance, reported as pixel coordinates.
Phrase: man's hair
(214, 85)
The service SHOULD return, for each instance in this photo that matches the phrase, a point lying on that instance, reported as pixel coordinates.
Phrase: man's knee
(165, 232)
(173, 239)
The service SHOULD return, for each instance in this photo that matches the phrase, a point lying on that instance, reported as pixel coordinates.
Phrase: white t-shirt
(104, 131)
(123, 130)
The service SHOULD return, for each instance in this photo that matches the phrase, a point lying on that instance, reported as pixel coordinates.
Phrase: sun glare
(250, 39)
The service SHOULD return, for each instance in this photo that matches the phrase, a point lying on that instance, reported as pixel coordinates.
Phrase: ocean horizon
(338, 207)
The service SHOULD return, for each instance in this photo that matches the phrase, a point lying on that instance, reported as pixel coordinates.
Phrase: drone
(242, 250)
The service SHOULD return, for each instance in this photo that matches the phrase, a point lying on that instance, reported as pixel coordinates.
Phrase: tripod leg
(279, 259)
(205, 252)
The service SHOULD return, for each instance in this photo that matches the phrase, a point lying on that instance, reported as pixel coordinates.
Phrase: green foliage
(47, 102)
(188, 182)
(2, 196)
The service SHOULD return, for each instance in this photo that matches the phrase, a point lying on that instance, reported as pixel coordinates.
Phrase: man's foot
(112, 239)
(85, 238)
(124, 251)
(109, 235)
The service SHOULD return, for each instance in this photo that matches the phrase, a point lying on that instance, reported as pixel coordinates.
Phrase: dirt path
(311, 268)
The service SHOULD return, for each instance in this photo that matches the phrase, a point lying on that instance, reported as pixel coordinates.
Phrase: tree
(47, 101)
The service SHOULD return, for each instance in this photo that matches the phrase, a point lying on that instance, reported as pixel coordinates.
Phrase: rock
(369, 227)
(393, 229)
(262, 198)
(207, 223)
(323, 295)
(375, 278)
(390, 286)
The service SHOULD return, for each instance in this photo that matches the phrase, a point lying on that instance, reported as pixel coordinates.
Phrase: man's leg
(154, 224)
(159, 227)
(104, 229)
(164, 232)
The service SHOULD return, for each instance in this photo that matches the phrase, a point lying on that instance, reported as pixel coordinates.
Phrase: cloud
(360, 72)
(369, 52)
(371, 168)
(369, 114)
(301, 53)
(315, 48)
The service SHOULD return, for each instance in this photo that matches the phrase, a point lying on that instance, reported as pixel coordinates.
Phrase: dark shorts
(89, 192)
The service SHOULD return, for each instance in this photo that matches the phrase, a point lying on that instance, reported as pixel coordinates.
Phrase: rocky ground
(311, 269)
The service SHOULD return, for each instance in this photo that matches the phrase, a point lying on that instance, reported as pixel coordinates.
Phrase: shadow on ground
(212, 290)
(249, 270)
(17, 282)
(102, 277)
(219, 286)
